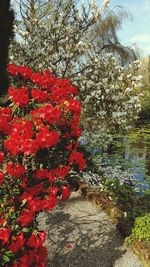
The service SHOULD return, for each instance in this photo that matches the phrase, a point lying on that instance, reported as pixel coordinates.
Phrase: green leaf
(24, 201)
(6, 258)
(10, 253)
(25, 230)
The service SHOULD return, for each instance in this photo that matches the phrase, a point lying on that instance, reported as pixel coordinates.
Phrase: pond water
(132, 153)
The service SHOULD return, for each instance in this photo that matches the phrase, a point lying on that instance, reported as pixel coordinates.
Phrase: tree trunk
(6, 33)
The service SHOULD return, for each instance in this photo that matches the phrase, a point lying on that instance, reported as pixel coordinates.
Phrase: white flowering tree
(114, 102)
(50, 35)
(60, 35)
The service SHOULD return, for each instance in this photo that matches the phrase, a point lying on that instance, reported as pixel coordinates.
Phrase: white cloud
(140, 9)
(147, 49)
(141, 42)
(141, 38)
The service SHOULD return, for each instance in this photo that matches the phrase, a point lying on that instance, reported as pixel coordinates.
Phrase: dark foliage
(6, 33)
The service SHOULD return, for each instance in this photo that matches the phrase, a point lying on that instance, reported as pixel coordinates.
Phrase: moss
(141, 229)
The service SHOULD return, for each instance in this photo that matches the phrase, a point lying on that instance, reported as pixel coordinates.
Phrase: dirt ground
(80, 235)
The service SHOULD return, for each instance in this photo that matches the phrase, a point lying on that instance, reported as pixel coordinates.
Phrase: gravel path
(80, 235)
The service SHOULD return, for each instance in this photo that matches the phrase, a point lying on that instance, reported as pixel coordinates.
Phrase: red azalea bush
(39, 130)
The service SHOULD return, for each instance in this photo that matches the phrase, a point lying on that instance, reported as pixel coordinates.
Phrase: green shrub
(141, 230)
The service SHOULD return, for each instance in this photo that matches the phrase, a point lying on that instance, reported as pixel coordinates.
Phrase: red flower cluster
(39, 95)
(1, 157)
(40, 131)
(20, 96)
(1, 177)
(5, 119)
(15, 169)
(48, 113)
(77, 158)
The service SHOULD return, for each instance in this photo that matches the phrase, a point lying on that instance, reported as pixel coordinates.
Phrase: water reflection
(132, 153)
(134, 150)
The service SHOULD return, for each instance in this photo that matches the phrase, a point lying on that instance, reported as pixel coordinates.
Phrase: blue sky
(137, 30)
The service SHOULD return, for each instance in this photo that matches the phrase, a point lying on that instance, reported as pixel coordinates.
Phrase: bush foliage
(39, 128)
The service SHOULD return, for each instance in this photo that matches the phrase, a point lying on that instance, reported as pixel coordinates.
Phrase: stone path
(80, 235)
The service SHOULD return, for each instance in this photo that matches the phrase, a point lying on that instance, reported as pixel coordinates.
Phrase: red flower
(2, 221)
(74, 105)
(39, 95)
(65, 193)
(1, 157)
(36, 78)
(45, 82)
(27, 196)
(26, 217)
(61, 172)
(26, 260)
(51, 114)
(19, 96)
(47, 73)
(15, 169)
(35, 204)
(69, 246)
(19, 264)
(41, 174)
(25, 72)
(13, 69)
(4, 235)
(36, 240)
(47, 114)
(30, 147)
(77, 158)
(1, 177)
(75, 130)
(53, 191)
(20, 138)
(41, 256)
(17, 243)
(5, 118)
(49, 203)
(34, 190)
(23, 128)
(46, 138)
(13, 145)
